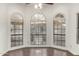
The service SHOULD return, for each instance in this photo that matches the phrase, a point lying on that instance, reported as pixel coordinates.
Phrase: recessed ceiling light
(38, 6)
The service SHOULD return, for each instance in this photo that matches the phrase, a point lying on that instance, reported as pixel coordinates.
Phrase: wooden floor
(38, 52)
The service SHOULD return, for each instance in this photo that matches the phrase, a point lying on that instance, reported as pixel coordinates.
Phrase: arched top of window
(16, 17)
(59, 20)
(59, 15)
(38, 16)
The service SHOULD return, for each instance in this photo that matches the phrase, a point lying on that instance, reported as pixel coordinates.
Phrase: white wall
(63, 9)
(74, 47)
(49, 11)
(68, 10)
(3, 28)
(15, 8)
(30, 11)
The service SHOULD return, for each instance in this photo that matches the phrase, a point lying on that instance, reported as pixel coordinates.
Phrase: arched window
(38, 29)
(16, 30)
(59, 30)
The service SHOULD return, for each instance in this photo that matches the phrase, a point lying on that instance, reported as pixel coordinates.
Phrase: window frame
(43, 35)
(17, 28)
(61, 35)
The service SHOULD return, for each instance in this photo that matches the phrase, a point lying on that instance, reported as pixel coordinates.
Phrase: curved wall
(69, 11)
